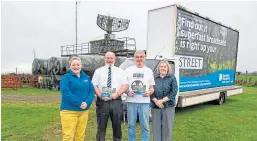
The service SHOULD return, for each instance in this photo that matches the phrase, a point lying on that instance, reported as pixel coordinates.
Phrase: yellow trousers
(74, 125)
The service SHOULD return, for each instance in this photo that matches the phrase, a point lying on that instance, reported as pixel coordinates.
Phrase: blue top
(166, 86)
(76, 90)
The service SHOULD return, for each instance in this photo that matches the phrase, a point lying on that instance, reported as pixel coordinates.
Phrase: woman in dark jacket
(163, 103)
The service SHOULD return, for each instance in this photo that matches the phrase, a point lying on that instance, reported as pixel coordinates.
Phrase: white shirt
(139, 76)
(118, 77)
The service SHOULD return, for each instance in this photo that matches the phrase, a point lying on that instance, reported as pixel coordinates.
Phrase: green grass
(27, 122)
(243, 77)
(36, 122)
(236, 120)
(29, 91)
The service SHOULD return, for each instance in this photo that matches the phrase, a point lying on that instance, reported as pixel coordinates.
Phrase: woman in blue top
(77, 96)
(163, 102)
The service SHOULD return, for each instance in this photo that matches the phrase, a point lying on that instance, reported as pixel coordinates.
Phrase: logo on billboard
(220, 78)
(224, 77)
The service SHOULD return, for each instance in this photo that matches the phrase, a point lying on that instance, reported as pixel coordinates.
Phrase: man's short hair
(139, 52)
(109, 52)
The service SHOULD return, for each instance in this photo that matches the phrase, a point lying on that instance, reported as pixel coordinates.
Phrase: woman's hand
(83, 105)
(159, 103)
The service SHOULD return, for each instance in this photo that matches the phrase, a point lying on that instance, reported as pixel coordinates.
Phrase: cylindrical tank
(39, 66)
(58, 65)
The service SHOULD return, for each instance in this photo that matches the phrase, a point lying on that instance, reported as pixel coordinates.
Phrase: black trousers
(104, 110)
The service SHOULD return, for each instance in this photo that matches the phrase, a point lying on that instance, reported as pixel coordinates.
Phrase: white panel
(235, 92)
(208, 97)
(161, 32)
(200, 99)
(190, 62)
(177, 77)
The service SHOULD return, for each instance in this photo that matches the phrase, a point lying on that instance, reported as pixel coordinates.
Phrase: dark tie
(109, 82)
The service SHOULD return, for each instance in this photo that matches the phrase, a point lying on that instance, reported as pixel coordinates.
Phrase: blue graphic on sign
(217, 79)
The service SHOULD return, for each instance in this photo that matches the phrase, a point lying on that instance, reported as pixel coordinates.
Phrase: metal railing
(129, 48)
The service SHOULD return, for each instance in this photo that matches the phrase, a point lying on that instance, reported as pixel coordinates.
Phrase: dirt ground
(31, 98)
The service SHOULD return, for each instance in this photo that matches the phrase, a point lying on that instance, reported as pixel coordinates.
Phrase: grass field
(29, 91)
(243, 77)
(236, 120)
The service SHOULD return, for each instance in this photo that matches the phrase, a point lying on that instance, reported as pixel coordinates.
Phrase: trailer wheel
(221, 99)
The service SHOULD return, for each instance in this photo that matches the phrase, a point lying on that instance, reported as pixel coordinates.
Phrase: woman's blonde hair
(74, 58)
(168, 65)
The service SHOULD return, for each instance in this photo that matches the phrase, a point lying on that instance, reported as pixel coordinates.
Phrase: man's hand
(114, 95)
(106, 99)
(147, 94)
(83, 105)
(131, 94)
(159, 103)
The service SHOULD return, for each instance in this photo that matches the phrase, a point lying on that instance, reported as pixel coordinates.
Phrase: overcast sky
(46, 26)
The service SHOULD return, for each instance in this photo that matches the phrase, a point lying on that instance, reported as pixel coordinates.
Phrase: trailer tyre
(221, 99)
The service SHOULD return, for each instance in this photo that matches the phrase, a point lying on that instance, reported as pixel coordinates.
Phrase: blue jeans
(142, 109)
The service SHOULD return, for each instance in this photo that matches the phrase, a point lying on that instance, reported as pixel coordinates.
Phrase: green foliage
(250, 80)
(215, 66)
